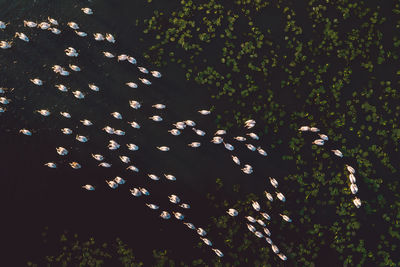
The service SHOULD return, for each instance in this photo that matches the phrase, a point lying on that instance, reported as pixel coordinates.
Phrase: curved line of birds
(179, 127)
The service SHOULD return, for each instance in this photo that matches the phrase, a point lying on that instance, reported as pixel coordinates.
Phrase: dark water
(35, 196)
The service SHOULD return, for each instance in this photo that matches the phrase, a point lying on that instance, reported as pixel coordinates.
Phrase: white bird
(57, 68)
(112, 184)
(178, 215)
(88, 187)
(354, 189)
(220, 132)
(133, 168)
(285, 217)
(119, 180)
(86, 122)
(66, 131)
(174, 199)
(78, 94)
(37, 81)
(261, 222)
(75, 165)
(232, 212)
(134, 104)
(190, 225)
(61, 151)
(324, 137)
(204, 112)
(110, 38)
(43, 112)
(108, 55)
(145, 81)
(135, 192)
(247, 170)
(250, 122)
(357, 202)
(144, 191)
(5, 44)
(61, 87)
(251, 147)
(350, 169)
(206, 241)
(144, 70)
(2, 110)
(165, 215)
(134, 125)
(55, 30)
(22, 36)
(113, 145)
(132, 60)
(155, 118)
(30, 24)
(117, 115)
(251, 228)
(3, 25)
(174, 132)
(280, 196)
(170, 177)
(98, 37)
(93, 87)
(132, 147)
(159, 106)
(337, 153)
(184, 206)
(274, 182)
(109, 130)
(44, 25)
(153, 177)
(122, 57)
(258, 234)
(217, 140)
(261, 151)
(269, 241)
(163, 148)
(304, 128)
(235, 159)
(105, 165)
(66, 115)
(269, 196)
(275, 249)
(318, 142)
(98, 157)
(64, 73)
(190, 123)
(282, 256)
(352, 178)
(199, 132)
(240, 138)
(218, 252)
(73, 25)
(131, 84)
(265, 215)
(87, 11)
(194, 144)
(81, 138)
(81, 34)
(314, 129)
(52, 21)
(250, 219)
(229, 146)
(267, 231)
(156, 74)
(253, 135)
(125, 159)
(180, 125)
(51, 165)
(25, 132)
(256, 205)
(201, 231)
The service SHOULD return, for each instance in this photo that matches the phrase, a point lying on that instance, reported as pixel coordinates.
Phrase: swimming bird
(170, 177)
(105, 165)
(206, 241)
(78, 94)
(125, 159)
(280, 196)
(133, 168)
(267, 231)
(81, 138)
(204, 112)
(117, 115)
(261, 222)
(61, 151)
(145, 81)
(253, 136)
(144, 191)
(251, 228)
(165, 215)
(235, 159)
(318, 142)
(98, 37)
(258, 234)
(156, 74)
(199, 132)
(232, 212)
(155, 118)
(54, 30)
(122, 57)
(159, 106)
(25, 132)
(357, 202)
(350, 169)
(98, 157)
(285, 217)
(249, 124)
(2, 110)
(180, 125)
(354, 189)
(261, 151)
(265, 215)
(75, 165)
(220, 132)
(251, 147)
(3, 25)
(240, 138)
(184, 206)
(109, 130)
(250, 219)
(190, 123)
(43, 112)
(174, 199)
(352, 178)
(174, 132)
(37, 81)
(163, 148)
(323, 137)
(131, 60)
(5, 44)
(51, 165)
(190, 225)
(274, 182)
(113, 145)
(73, 25)
(74, 67)
(131, 84)
(269, 240)
(337, 153)
(81, 34)
(108, 55)
(65, 115)
(282, 256)
(153, 177)
(275, 249)
(86, 122)
(256, 205)
(201, 231)
(4, 101)
(93, 87)
(144, 70)
(194, 144)
(269, 196)
(66, 131)
(135, 192)
(87, 11)
(61, 87)
(229, 146)
(22, 36)
(44, 25)
(52, 21)
(217, 140)
(134, 104)
(88, 187)
(112, 184)
(218, 252)
(304, 128)
(247, 170)
(30, 24)
(178, 215)
(134, 124)
(119, 180)
(132, 147)
(110, 38)
(314, 129)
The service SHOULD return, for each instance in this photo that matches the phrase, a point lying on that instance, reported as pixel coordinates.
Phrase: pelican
(201, 231)
(74, 67)
(55, 30)
(81, 34)
(2, 110)
(265, 215)
(132, 147)
(267, 231)
(190, 225)
(250, 219)
(86, 122)
(256, 205)
(51, 165)
(61, 87)
(131, 84)
(64, 73)
(184, 206)
(108, 55)
(145, 81)
(81, 138)
(110, 38)
(52, 21)
(269, 196)
(144, 70)
(122, 57)
(275, 249)
(318, 142)
(337, 153)
(134, 104)
(235, 159)
(247, 170)
(240, 138)
(75, 165)
(280, 196)
(156, 74)
(132, 60)
(65, 115)
(159, 106)
(304, 128)
(37, 81)
(251, 147)
(71, 54)
(285, 217)
(144, 191)
(61, 151)
(93, 87)
(155, 118)
(105, 165)
(78, 94)
(170, 177)
(190, 123)
(352, 178)
(163, 148)
(174, 132)
(165, 215)
(134, 125)
(30, 24)
(323, 137)
(125, 159)
(261, 151)
(22, 36)
(73, 25)
(249, 124)
(153, 177)
(354, 189)
(174, 199)
(350, 169)
(228, 146)
(218, 252)
(57, 68)
(5, 45)
(251, 228)
(274, 182)
(25, 132)
(180, 125)
(135, 192)
(44, 25)
(282, 256)
(357, 202)
(3, 25)
(66, 131)
(112, 184)
(119, 132)
(87, 11)
(253, 135)
(98, 37)
(198, 132)
(178, 215)
(88, 187)
(194, 144)
(261, 222)
(43, 112)
(113, 145)
(258, 234)
(247, 166)
(269, 241)
(119, 180)
(314, 129)
(133, 168)
(217, 140)
(117, 115)
(206, 241)
(2, 90)
(109, 130)
(98, 157)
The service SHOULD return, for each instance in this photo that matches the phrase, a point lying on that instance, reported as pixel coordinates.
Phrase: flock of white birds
(219, 137)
